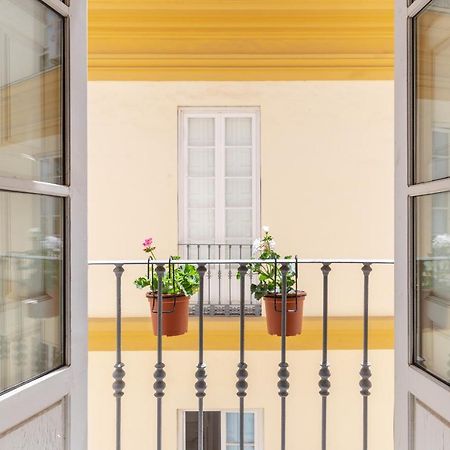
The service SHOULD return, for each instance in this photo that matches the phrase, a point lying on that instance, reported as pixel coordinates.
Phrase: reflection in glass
(31, 272)
(433, 92)
(31, 41)
(432, 274)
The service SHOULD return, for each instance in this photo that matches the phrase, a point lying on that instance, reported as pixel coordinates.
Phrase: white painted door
(422, 419)
(43, 260)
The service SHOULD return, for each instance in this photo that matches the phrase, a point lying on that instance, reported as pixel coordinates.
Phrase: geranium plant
(178, 278)
(269, 277)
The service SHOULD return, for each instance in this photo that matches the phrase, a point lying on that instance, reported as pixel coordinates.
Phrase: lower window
(221, 430)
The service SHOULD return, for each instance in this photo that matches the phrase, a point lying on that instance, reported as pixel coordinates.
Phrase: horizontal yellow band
(344, 333)
(234, 40)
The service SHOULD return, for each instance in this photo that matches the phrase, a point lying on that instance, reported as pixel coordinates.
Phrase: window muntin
(432, 99)
(219, 175)
(432, 275)
(31, 286)
(31, 90)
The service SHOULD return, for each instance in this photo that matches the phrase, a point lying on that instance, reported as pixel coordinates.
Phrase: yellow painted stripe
(345, 333)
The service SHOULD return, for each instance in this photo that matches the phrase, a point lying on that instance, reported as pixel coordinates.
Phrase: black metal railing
(200, 372)
(221, 285)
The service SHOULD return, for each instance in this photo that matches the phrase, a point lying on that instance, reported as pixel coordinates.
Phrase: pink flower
(148, 242)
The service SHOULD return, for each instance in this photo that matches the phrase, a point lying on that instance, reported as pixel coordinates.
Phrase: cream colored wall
(327, 178)
(304, 403)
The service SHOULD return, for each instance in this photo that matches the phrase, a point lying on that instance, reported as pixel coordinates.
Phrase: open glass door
(43, 319)
(423, 225)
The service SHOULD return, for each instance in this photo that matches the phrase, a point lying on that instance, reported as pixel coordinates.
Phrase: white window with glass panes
(221, 430)
(219, 181)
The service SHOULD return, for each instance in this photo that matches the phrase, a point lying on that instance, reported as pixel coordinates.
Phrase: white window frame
(69, 383)
(218, 113)
(411, 382)
(259, 426)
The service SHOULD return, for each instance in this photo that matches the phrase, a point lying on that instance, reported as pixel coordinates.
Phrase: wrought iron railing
(199, 372)
(221, 284)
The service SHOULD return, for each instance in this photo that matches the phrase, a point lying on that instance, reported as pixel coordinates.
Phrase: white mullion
(182, 180)
(223, 430)
(256, 216)
(220, 228)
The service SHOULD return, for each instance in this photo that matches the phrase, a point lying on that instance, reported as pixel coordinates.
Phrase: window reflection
(31, 275)
(31, 44)
(433, 283)
(432, 143)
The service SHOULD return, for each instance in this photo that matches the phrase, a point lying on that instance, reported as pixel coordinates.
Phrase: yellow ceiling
(240, 39)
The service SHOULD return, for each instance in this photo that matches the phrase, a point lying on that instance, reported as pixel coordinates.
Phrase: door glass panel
(201, 132)
(432, 275)
(432, 143)
(31, 91)
(31, 280)
(238, 131)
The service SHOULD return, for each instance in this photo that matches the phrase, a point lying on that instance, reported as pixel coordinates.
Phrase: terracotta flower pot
(294, 316)
(175, 314)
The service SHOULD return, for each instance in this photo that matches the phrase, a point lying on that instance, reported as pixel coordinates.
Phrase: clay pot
(294, 315)
(175, 314)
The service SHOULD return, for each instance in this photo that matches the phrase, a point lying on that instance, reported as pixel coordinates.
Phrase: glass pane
(238, 192)
(238, 223)
(201, 225)
(238, 162)
(31, 80)
(249, 428)
(233, 428)
(432, 274)
(201, 193)
(432, 100)
(238, 131)
(201, 162)
(31, 294)
(201, 132)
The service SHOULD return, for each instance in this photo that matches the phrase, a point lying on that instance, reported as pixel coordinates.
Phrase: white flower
(272, 245)
(256, 246)
(52, 244)
(265, 228)
(441, 241)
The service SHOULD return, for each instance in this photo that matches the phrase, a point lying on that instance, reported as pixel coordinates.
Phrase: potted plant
(269, 288)
(179, 283)
(45, 262)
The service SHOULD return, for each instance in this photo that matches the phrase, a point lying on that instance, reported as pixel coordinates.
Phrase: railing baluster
(200, 374)
(119, 372)
(219, 275)
(242, 373)
(365, 372)
(230, 275)
(159, 373)
(324, 372)
(250, 248)
(283, 372)
(209, 278)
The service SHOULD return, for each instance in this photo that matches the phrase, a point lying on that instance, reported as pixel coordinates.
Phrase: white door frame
(218, 113)
(70, 382)
(410, 382)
